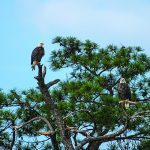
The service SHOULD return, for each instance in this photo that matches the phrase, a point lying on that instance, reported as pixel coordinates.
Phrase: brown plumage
(124, 92)
(37, 55)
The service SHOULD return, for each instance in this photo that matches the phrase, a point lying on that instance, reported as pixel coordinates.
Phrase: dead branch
(131, 138)
(34, 119)
(52, 83)
(127, 101)
(112, 137)
(102, 138)
(44, 72)
(83, 132)
(52, 107)
(45, 133)
(140, 114)
(105, 137)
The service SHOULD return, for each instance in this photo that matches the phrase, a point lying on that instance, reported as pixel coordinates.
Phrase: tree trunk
(94, 145)
(59, 120)
(53, 110)
(54, 142)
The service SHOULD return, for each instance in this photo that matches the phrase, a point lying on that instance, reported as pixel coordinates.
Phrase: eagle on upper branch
(37, 55)
(124, 92)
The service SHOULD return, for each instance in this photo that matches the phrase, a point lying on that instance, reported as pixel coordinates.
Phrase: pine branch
(113, 136)
(85, 111)
(105, 137)
(13, 136)
(140, 114)
(34, 119)
(101, 138)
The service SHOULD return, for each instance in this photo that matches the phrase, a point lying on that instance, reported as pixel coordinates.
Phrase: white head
(40, 44)
(122, 80)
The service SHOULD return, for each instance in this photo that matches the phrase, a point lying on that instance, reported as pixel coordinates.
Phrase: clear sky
(26, 22)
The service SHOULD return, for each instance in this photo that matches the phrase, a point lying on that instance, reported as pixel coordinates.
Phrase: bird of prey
(124, 92)
(37, 55)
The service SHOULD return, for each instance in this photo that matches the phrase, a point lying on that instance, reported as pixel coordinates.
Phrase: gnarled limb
(102, 138)
(34, 119)
(53, 109)
(110, 137)
(52, 83)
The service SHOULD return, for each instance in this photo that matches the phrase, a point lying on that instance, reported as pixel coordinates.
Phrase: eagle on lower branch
(37, 55)
(124, 93)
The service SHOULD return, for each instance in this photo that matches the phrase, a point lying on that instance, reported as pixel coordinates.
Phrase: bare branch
(52, 83)
(46, 133)
(53, 109)
(83, 132)
(101, 138)
(131, 138)
(44, 72)
(105, 137)
(127, 101)
(146, 100)
(140, 114)
(85, 111)
(33, 119)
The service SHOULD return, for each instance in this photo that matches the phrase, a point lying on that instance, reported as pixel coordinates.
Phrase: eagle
(124, 93)
(37, 55)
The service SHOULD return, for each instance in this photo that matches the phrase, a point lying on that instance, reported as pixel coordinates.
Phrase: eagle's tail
(126, 104)
(34, 64)
(33, 67)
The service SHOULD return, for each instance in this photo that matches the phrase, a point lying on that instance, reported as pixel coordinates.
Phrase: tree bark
(13, 136)
(94, 145)
(54, 142)
(53, 110)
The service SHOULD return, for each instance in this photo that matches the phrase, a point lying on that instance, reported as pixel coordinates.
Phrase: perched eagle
(37, 55)
(124, 92)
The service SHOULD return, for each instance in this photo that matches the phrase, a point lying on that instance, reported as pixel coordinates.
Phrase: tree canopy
(82, 112)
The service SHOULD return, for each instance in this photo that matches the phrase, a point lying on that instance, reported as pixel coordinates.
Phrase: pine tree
(82, 112)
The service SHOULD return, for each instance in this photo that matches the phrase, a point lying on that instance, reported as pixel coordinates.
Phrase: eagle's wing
(120, 90)
(35, 55)
(124, 91)
(128, 91)
(41, 53)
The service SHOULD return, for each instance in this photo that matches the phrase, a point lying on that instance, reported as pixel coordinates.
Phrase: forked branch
(34, 119)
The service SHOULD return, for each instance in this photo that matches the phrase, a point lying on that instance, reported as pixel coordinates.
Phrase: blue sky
(26, 22)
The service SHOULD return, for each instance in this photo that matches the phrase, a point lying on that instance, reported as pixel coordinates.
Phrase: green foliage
(88, 100)
(145, 145)
(93, 82)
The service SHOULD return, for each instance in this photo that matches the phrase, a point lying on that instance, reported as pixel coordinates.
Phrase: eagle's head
(41, 44)
(122, 80)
